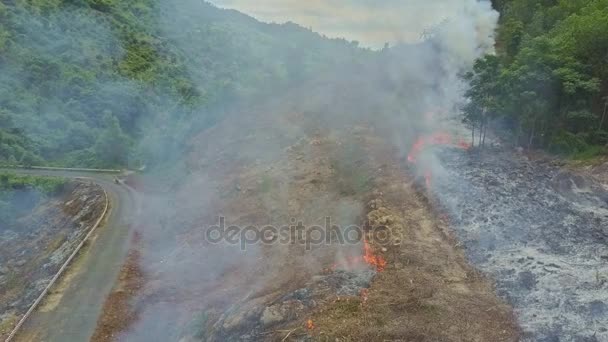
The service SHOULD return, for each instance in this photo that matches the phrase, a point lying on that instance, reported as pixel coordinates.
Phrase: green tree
(112, 146)
(551, 76)
(482, 95)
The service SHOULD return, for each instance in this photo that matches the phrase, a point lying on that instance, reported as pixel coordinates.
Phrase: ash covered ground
(540, 231)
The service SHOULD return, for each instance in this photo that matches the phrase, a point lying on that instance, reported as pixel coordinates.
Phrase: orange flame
(368, 257)
(371, 259)
(438, 138)
(309, 324)
(463, 144)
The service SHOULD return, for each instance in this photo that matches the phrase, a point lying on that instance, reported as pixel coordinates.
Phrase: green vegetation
(548, 84)
(46, 185)
(107, 83)
(20, 194)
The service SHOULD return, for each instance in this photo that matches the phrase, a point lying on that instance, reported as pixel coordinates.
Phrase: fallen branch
(288, 334)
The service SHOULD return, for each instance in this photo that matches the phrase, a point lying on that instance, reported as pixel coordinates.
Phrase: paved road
(70, 312)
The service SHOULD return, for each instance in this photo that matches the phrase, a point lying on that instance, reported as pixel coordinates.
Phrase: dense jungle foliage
(547, 86)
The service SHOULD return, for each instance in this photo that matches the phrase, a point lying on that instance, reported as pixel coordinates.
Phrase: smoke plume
(392, 90)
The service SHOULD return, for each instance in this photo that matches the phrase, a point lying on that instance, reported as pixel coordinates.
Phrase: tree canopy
(548, 83)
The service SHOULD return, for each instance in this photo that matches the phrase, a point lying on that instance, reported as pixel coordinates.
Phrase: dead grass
(428, 292)
(8, 324)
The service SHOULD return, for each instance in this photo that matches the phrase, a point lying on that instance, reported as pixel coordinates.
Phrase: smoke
(437, 64)
(258, 165)
(273, 147)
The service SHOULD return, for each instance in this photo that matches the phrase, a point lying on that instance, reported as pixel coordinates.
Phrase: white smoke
(466, 34)
(393, 90)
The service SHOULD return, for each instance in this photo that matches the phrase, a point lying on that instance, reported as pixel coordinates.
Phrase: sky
(371, 22)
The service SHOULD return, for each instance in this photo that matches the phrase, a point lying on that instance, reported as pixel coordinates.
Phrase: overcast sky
(371, 22)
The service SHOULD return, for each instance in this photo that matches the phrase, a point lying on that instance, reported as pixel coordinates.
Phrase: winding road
(72, 307)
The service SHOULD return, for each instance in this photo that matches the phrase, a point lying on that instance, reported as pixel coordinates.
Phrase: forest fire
(309, 324)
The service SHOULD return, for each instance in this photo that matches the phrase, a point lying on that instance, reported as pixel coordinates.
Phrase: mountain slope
(81, 81)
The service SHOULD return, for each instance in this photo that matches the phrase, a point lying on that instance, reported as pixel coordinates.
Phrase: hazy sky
(371, 22)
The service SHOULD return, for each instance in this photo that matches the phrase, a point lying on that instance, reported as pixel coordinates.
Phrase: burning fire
(309, 324)
(438, 138)
(371, 259)
(368, 257)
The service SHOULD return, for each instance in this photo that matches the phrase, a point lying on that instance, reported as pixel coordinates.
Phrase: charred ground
(539, 228)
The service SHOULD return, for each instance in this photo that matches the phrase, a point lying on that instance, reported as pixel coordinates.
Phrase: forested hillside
(108, 82)
(547, 87)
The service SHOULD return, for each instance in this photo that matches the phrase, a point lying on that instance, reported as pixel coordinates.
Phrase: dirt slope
(428, 292)
(282, 168)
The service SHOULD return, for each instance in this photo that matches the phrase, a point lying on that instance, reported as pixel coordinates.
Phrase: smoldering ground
(540, 232)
